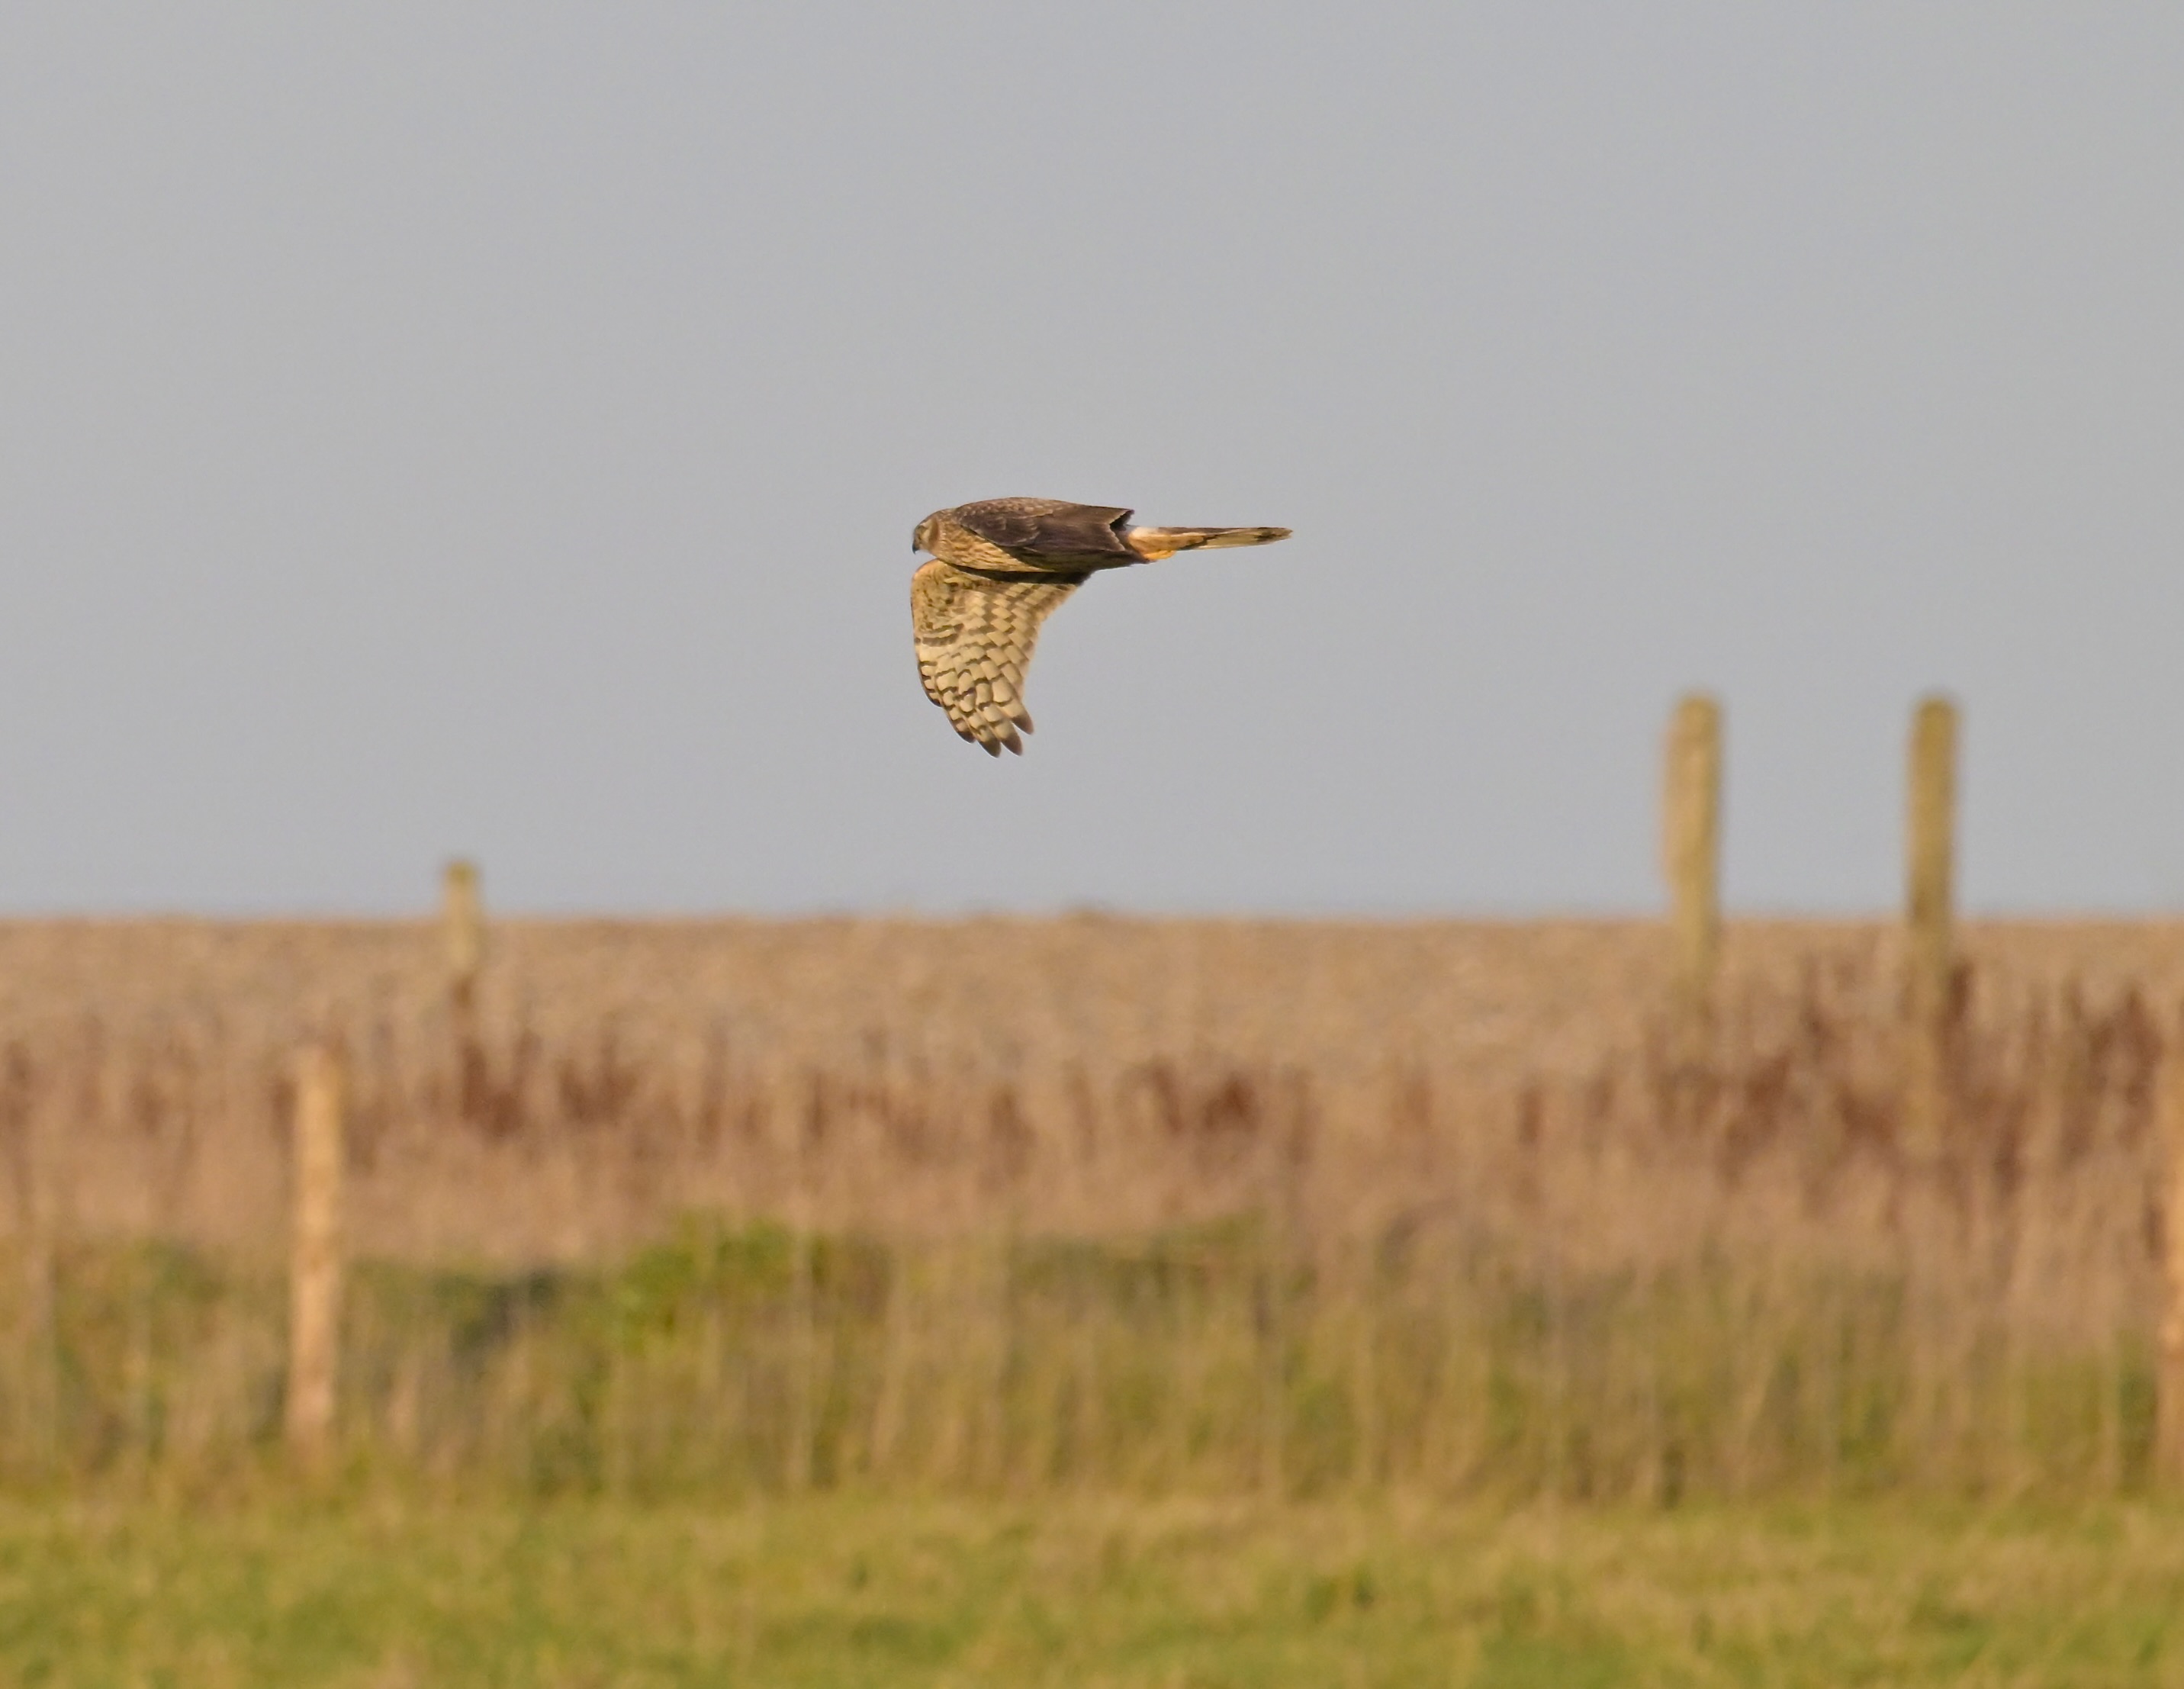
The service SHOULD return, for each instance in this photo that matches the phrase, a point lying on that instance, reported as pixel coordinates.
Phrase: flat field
(707, 1210)
(1093, 1303)
(843, 1591)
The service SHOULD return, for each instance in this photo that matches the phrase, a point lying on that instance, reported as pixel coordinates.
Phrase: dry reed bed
(1158, 1205)
(1113, 1076)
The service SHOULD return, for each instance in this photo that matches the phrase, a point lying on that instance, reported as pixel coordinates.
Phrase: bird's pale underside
(1000, 569)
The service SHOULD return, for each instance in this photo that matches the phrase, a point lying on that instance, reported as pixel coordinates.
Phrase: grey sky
(498, 428)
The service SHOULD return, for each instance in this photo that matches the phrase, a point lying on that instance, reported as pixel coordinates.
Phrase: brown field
(1165, 1205)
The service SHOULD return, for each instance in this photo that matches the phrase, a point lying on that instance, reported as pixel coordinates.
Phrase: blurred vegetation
(1234, 1359)
(842, 1591)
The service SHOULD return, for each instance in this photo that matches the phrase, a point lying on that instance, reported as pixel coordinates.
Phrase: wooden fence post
(315, 1277)
(1690, 854)
(2168, 1421)
(1930, 891)
(463, 920)
(1930, 919)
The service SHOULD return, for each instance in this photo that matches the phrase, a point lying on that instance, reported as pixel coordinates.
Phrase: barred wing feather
(975, 635)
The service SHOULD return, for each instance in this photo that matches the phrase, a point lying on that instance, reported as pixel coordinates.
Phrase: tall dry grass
(1155, 1206)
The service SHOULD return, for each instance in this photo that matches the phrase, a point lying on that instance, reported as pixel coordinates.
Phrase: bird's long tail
(1153, 543)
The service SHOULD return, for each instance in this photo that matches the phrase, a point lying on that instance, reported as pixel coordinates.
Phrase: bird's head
(926, 532)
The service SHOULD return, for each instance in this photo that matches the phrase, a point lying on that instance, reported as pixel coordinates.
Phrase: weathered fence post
(1930, 891)
(2169, 1420)
(314, 1275)
(1930, 919)
(462, 922)
(1690, 856)
(463, 919)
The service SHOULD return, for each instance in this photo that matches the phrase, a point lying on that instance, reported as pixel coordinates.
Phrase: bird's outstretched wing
(975, 635)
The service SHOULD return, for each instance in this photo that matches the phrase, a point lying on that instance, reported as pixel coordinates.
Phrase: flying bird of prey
(999, 568)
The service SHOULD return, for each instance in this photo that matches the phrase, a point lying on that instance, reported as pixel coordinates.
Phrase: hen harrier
(1000, 567)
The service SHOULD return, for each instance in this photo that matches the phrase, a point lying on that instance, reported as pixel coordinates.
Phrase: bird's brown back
(1033, 534)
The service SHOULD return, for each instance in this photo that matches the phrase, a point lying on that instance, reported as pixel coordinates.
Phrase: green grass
(839, 1591)
(727, 1364)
